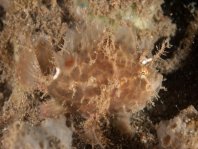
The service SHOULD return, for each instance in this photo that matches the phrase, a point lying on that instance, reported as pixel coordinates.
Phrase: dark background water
(182, 85)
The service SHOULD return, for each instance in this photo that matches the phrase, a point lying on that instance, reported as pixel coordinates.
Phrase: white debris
(57, 73)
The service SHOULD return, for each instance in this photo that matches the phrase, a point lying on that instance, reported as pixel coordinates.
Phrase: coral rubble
(179, 132)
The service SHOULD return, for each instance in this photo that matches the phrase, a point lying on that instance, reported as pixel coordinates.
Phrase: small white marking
(144, 62)
(57, 73)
